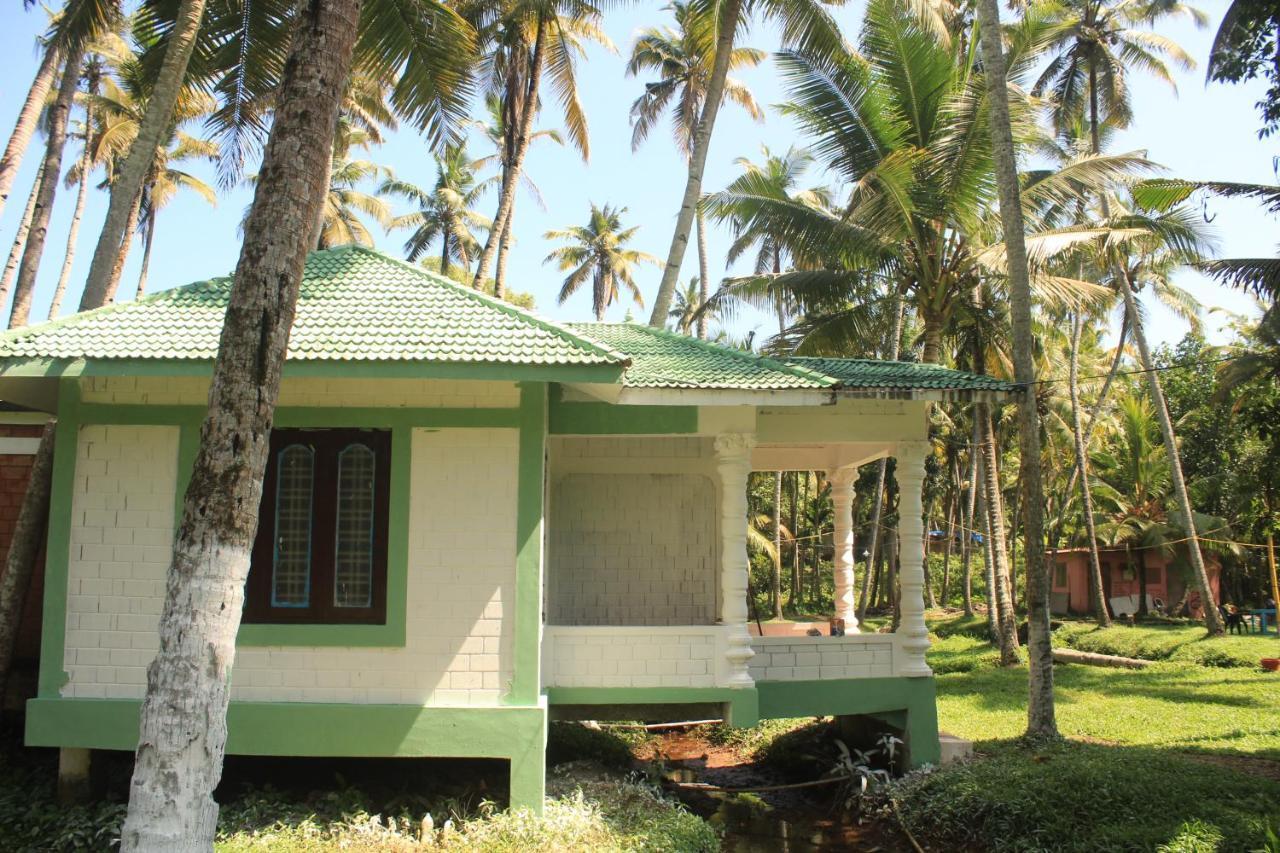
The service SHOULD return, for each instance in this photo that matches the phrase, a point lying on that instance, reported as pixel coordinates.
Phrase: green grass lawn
(1177, 642)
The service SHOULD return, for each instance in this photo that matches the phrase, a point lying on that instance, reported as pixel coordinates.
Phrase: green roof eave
(329, 369)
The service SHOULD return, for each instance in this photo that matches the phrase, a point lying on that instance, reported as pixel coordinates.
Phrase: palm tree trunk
(25, 286)
(1142, 582)
(966, 548)
(1211, 616)
(877, 515)
(1005, 622)
(28, 118)
(988, 559)
(444, 252)
(149, 233)
(1082, 468)
(182, 737)
(726, 28)
(775, 579)
(1271, 564)
(704, 273)
(1102, 395)
(73, 233)
(20, 239)
(142, 153)
(511, 177)
(118, 270)
(952, 500)
(1041, 721)
(504, 246)
(794, 598)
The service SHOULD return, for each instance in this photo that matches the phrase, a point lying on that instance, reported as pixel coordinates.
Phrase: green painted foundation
(515, 733)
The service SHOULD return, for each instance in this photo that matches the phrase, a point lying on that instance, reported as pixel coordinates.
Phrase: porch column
(909, 473)
(842, 480)
(733, 460)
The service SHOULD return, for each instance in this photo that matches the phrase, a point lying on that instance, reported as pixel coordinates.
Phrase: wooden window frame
(327, 446)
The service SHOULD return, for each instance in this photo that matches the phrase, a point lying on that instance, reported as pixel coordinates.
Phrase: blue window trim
(337, 515)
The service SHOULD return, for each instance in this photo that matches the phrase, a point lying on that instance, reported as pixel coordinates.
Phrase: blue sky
(1202, 132)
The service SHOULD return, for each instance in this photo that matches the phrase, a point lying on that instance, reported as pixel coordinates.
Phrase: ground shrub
(1087, 797)
(961, 652)
(952, 625)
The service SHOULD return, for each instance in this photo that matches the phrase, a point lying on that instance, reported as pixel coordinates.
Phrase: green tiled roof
(661, 359)
(866, 373)
(355, 305)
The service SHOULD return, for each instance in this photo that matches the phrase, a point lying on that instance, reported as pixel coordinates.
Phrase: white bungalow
(474, 521)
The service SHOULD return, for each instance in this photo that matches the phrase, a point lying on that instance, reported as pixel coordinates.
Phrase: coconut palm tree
(166, 181)
(682, 59)
(806, 26)
(445, 213)
(346, 200)
(598, 252)
(523, 41)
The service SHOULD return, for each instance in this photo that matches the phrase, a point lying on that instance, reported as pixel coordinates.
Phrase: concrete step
(954, 748)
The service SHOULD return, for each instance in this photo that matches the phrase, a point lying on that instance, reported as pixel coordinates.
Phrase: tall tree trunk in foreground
(504, 247)
(28, 118)
(50, 177)
(1041, 720)
(775, 579)
(726, 29)
(704, 273)
(147, 236)
(511, 177)
(1082, 469)
(1213, 620)
(117, 271)
(73, 233)
(183, 731)
(1006, 623)
(966, 551)
(142, 152)
(20, 239)
(24, 549)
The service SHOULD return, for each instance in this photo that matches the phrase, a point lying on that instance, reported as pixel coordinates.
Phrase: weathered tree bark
(775, 579)
(117, 272)
(147, 236)
(142, 153)
(20, 239)
(1082, 469)
(794, 598)
(183, 731)
(1006, 622)
(1092, 659)
(73, 233)
(704, 273)
(952, 500)
(504, 247)
(966, 549)
(989, 562)
(50, 177)
(28, 118)
(511, 177)
(1041, 720)
(1213, 620)
(726, 29)
(20, 563)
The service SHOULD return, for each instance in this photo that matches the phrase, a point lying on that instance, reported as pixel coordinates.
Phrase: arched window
(353, 534)
(321, 553)
(291, 563)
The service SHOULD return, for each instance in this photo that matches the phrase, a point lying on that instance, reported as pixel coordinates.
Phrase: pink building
(1165, 586)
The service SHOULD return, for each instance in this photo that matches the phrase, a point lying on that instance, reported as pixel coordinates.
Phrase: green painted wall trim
(322, 729)
(303, 416)
(872, 696)
(526, 677)
(607, 419)
(53, 631)
(743, 703)
(605, 373)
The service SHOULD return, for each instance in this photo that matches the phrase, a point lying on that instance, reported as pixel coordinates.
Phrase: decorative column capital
(734, 445)
(842, 480)
(911, 456)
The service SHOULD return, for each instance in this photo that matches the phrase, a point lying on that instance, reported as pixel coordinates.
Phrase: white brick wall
(631, 657)
(629, 546)
(813, 658)
(461, 578)
(194, 391)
